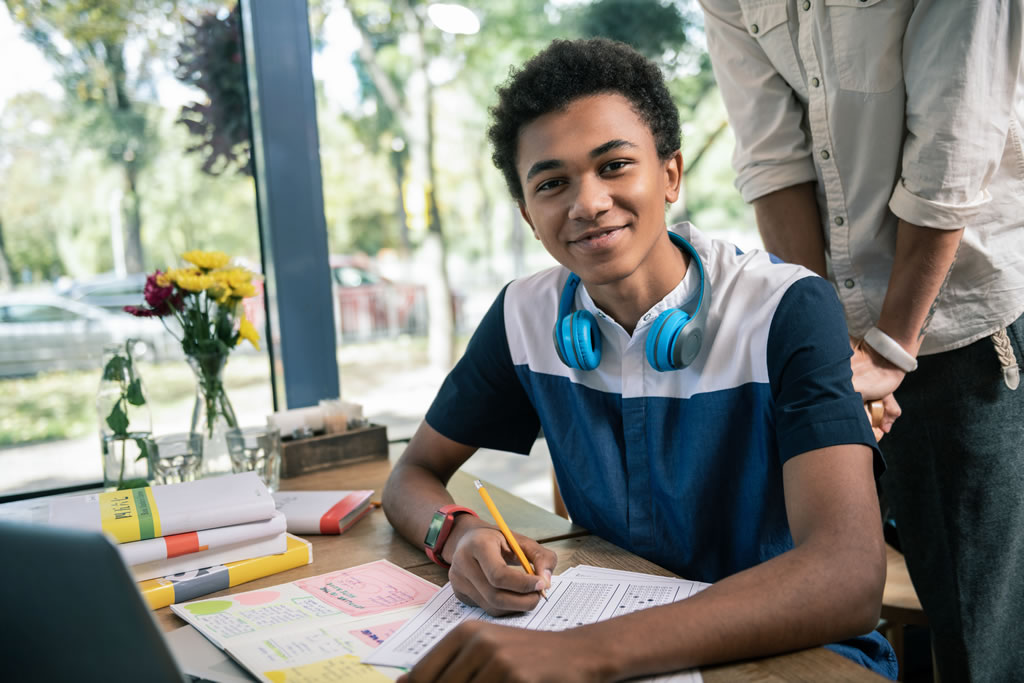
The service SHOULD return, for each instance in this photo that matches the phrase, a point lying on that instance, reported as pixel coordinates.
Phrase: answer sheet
(581, 595)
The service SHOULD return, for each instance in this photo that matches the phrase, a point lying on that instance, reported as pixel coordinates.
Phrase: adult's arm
(957, 127)
(790, 226)
(772, 151)
(827, 588)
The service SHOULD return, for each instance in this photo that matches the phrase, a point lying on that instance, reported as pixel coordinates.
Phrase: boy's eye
(548, 185)
(615, 165)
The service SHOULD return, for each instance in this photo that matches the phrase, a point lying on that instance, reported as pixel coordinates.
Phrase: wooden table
(372, 538)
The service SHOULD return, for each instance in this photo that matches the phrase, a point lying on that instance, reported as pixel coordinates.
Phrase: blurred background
(125, 140)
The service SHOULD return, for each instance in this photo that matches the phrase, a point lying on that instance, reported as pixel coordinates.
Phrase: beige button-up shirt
(897, 108)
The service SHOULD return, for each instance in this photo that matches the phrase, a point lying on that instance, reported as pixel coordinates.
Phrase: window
(115, 157)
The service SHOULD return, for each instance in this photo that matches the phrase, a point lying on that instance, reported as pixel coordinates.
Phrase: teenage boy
(696, 401)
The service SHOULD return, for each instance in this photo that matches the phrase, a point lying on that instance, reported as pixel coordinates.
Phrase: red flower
(140, 312)
(161, 300)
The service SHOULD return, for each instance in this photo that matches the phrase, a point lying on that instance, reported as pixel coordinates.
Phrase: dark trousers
(955, 487)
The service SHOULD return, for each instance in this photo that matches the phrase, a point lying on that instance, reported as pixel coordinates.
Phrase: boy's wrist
(462, 524)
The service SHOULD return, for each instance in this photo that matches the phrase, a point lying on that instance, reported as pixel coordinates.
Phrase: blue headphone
(673, 341)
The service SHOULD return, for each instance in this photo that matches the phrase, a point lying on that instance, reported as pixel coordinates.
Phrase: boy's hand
(486, 573)
(478, 651)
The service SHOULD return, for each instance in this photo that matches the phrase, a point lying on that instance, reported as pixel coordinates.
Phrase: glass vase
(124, 418)
(212, 414)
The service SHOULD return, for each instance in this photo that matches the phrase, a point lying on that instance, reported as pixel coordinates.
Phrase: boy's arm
(827, 588)
(477, 552)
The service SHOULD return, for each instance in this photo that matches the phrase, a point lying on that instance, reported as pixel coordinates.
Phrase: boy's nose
(591, 200)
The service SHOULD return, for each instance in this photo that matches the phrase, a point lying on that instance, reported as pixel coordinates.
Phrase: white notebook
(151, 512)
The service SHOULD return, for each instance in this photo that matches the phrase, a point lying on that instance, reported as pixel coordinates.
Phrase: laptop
(71, 611)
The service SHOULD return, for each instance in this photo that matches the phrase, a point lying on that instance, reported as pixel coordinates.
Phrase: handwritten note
(336, 597)
(344, 668)
(369, 588)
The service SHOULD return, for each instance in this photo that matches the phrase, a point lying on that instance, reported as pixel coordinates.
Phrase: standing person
(880, 143)
(696, 415)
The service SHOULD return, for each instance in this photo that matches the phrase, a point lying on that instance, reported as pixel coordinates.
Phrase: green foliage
(143, 451)
(210, 58)
(120, 369)
(650, 26)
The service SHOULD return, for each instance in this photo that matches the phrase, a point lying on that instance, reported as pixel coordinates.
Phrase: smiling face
(594, 193)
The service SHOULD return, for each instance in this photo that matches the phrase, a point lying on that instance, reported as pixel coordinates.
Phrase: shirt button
(839, 220)
(825, 154)
(815, 82)
(849, 284)
(647, 317)
(807, 4)
(754, 29)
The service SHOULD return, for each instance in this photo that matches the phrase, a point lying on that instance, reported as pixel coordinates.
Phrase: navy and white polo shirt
(682, 467)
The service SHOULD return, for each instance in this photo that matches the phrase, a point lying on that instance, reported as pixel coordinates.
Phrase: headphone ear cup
(586, 340)
(661, 339)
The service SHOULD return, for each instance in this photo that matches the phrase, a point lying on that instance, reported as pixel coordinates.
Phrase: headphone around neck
(673, 341)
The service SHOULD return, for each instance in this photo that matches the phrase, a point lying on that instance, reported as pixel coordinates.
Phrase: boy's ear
(673, 176)
(526, 217)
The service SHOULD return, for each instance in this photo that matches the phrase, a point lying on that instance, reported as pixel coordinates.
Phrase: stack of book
(182, 541)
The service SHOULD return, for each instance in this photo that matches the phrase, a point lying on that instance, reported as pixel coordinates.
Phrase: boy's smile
(595, 193)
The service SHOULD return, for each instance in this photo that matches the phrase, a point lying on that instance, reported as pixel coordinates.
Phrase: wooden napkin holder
(326, 451)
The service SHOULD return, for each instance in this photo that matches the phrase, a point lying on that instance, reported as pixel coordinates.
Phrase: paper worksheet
(312, 629)
(575, 599)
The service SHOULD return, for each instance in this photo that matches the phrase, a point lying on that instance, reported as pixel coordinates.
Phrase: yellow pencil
(506, 531)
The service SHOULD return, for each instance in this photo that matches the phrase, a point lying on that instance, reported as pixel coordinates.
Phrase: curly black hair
(567, 70)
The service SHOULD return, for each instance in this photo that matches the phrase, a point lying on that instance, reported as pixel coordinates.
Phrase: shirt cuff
(756, 181)
(932, 214)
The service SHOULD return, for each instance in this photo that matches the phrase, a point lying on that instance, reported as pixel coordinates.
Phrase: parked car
(40, 332)
(109, 291)
(371, 306)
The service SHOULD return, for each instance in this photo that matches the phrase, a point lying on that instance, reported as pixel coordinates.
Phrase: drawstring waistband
(1011, 372)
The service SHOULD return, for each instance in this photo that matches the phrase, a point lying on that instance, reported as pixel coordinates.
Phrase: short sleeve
(482, 402)
(810, 375)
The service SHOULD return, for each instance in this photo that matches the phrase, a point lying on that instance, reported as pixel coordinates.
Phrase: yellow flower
(193, 282)
(207, 260)
(243, 290)
(247, 331)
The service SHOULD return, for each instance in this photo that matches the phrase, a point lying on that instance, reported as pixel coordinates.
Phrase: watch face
(435, 528)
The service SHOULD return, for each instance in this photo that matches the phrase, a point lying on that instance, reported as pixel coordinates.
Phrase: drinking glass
(257, 449)
(335, 415)
(174, 458)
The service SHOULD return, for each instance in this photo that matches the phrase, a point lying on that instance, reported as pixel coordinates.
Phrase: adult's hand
(482, 652)
(875, 378)
(486, 573)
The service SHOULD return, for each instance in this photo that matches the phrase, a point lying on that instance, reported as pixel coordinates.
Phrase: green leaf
(133, 484)
(117, 420)
(115, 368)
(134, 393)
(143, 450)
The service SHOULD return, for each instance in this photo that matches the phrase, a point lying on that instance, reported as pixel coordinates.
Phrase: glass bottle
(124, 419)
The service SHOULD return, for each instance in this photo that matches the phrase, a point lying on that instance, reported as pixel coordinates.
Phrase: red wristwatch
(440, 526)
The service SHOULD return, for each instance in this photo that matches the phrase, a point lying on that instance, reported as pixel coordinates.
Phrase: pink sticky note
(368, 589)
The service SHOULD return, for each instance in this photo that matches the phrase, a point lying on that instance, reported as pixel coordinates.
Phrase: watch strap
(450, 512)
